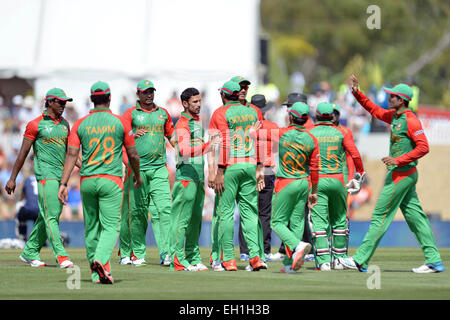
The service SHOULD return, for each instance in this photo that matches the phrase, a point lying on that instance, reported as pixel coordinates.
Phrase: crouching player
(298, 160)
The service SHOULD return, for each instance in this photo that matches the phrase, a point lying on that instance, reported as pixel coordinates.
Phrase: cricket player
(47, 134)
(101, 135)
(348, 169)
(407, 145)
(331, 208)
(298, 167)
(236, 178)
(150, 124)
(265, 195)
(125, 253)
(188, 192)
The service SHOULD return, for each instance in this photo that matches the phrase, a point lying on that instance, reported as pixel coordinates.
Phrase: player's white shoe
(298, 257)
(337, 265)
(33, 263)
(274, 257)
(167, 260)
(190, 268)
(287, 269)
(348, 263)
(250, 268)
(66, 264)
(125, 260)
(326, 266)
(139, 262)
(201, 267)
(217, 266)
(430, 268)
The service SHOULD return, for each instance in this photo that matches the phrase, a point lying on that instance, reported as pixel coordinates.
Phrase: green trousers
(216, 249)
(288, 208)
(155, 187)
(125, 230)
(399, 191)
(330, 213)
(102, 205)
(187, 206)
(46, 226)
(240, 187)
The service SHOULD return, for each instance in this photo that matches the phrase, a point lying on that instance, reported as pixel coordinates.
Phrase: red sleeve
(416, 134)
(168, 126)
(184, 141)
(127, 115)
(219, 124)
(128, 136)
(350, 147)
(314, 161)
(74, 139)
(258, 146)
(31, 130)
(349, 159)
(376, 111)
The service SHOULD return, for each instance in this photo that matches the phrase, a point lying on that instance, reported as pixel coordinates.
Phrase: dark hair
(406, 102)
(188, 93)
(231, 97)
(299, 121)
(46, 104)
(324, 118)
(100, 99)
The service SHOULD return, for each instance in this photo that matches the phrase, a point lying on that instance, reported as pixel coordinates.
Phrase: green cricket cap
(230, 87)
(324, 108)
(100, 88)
(402, 90)
(240, 80)
(144, 85)
(57, 93)
(299, 110)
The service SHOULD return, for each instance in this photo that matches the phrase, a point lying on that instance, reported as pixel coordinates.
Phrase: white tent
(174, 43)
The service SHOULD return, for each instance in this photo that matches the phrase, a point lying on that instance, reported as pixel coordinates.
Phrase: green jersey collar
(183, 114)
(232, 103)
(297, 126)
(328, 123)
(45, 114)
(400, 112)
(138, 107)
(100, 110)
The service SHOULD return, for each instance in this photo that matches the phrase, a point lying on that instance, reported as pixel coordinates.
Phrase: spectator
(124, 105)
(316, 98)
(174, 107)
(70, 114)
(5, 116)
(30, 208)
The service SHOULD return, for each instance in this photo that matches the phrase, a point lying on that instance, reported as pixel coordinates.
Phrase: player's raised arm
(374, 110)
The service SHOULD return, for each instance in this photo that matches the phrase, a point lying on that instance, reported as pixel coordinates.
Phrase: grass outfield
(19, 281)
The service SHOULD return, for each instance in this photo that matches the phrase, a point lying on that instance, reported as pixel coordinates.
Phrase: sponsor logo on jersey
(418, 132)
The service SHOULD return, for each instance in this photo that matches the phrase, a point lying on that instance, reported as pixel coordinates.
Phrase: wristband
(63, 184)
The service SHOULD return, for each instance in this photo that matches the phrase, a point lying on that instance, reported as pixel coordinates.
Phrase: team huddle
(122, 162)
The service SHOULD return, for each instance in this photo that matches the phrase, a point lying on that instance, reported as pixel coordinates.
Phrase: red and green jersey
(49, 137)
(101, 135)
(264, 134)
(348, 166)
(298, 153)
(190, 149)
(408, 141)
(334, 142)
(233, 120)
(151, 146)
